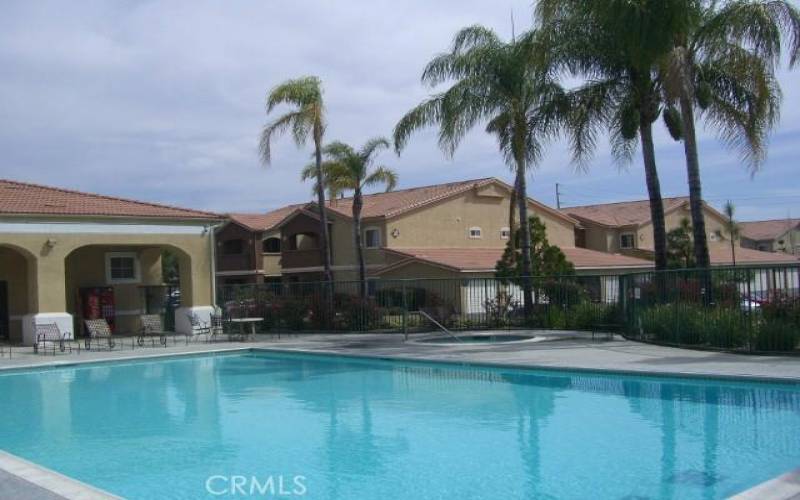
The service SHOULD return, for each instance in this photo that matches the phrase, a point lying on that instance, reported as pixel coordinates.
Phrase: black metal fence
(748, 309)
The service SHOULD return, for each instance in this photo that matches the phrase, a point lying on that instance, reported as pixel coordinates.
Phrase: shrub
(721, 327)
(777, 335)
(588, 315)
(674, 323)
(563, 292)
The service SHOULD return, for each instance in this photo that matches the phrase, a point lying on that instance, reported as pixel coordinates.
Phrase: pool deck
(551, 350)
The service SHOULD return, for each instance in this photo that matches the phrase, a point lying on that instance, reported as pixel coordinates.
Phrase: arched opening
(271, 245)
(121, 282)
(17, 290)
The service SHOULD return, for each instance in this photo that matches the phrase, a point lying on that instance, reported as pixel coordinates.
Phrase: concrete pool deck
(565, 350)
(559, 350)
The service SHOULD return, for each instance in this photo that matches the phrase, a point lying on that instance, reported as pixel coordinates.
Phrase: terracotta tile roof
(626, 213)
(266, 221)
(721, 256)
(19, 198)
(395, 203)
(767, 229)
(484, 259)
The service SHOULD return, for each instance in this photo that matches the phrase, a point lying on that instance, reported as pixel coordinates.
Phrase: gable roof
(485, 259)
(767, 229)
(21, 198)
(395, 203)
(625, 213)
(263, 222)
(721, 256)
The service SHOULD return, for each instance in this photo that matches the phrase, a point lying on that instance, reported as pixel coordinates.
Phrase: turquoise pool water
(363, 429)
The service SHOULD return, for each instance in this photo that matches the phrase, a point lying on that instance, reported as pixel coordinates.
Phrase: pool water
(363, 429)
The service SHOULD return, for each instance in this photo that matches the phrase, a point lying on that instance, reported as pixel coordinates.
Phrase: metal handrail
(441, 326)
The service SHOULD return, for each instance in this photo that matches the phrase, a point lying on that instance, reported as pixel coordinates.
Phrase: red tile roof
(19, 198)
(395, 203)
(721, 256)
(264, 222)
(767, 229)
(626, 213)
(484, 259)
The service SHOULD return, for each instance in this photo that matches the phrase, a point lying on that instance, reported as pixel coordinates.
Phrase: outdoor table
(249, 321)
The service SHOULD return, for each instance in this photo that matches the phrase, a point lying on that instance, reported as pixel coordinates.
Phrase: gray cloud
(164, 100)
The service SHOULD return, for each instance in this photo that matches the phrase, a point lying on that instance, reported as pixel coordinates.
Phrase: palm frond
(276, 127)
(300, 92)
(382, 175)
(372, 146)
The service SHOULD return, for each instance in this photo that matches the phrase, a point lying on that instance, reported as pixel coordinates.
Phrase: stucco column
(195, 269)
(48, 295)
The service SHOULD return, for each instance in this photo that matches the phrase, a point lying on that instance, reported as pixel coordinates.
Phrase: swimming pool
(338, 427)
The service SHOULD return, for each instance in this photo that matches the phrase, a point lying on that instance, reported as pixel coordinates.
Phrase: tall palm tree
(723, 63)
(615, 45)
(308, 118)
(498, 82)
(346, 169)
(731, 227)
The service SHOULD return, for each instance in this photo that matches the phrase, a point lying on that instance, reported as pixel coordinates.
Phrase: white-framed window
(122, 267)
(505, 233)
(627, 240)
(475, 233)
(372, 237)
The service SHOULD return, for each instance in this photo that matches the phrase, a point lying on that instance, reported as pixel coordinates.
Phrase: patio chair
(152, 326)
(217, 326)
(99, 333)
(199, 328)
(48, 335)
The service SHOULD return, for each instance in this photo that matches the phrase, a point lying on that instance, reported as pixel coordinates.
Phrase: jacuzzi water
(328, 427)
(475, 339)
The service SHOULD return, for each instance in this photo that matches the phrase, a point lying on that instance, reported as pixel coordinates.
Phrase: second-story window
(271, 245)
(233, 247)
(475, 233)
(627, 240)
(372, 237)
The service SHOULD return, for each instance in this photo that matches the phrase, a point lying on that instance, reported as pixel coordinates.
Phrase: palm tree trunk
(701, 257)
(733, 250)
(525, 243)
(654, 192)
(323, 216)
(512, 215)
(362, 268)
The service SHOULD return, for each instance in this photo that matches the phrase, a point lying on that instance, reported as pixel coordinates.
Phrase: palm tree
(308, 117)
(731, 227)
(616, 46)
(723, 63)
(498, 82)
(346, 169)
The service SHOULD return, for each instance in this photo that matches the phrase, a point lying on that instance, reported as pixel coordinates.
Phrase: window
(763, 248)
(505, 233)
(304, 241)
(627, 240)
(271, 245)
(232, 247)
(372, 237)
(122, 267)
(475, 233)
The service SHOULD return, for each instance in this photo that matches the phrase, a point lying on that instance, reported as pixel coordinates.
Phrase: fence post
(405, 310)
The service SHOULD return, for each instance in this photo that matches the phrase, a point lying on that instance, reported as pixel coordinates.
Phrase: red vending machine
(95, 303)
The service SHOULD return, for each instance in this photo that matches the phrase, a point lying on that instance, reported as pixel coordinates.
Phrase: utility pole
(558, 197)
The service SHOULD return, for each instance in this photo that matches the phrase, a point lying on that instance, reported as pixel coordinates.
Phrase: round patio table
(247, 321)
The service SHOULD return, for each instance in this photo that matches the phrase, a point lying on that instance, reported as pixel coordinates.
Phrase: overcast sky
(164, 101)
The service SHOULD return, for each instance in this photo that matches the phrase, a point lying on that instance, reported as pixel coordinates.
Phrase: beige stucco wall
(447, 224)
(672, 220)
(47, 287)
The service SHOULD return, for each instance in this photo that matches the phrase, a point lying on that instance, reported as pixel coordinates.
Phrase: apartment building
(627, 228)
(457, 229)
(779, 235)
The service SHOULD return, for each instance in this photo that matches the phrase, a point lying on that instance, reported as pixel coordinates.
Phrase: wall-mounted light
(50, 243)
